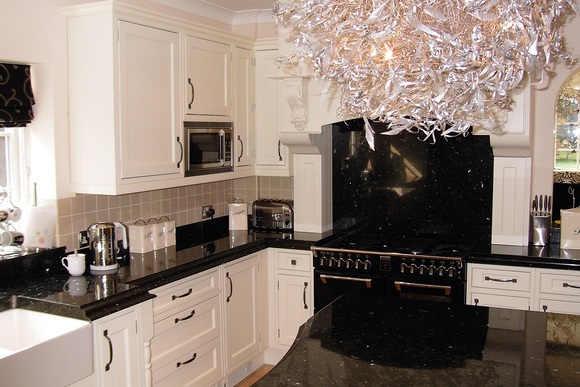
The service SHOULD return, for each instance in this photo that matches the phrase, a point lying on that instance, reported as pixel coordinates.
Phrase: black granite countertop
(371, 341)
(40, 276)
(39, 282)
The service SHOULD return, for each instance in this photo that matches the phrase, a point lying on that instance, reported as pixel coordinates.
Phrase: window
(12, 162)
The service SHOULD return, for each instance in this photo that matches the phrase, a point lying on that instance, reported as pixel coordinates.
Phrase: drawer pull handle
(304, 295)
(567, 285)
(231, 286)
(178, 319)
(514, 280)
(179, 364)
(108, 365)
(174, 297)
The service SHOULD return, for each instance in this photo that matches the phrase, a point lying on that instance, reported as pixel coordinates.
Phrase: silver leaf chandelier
(425, 66)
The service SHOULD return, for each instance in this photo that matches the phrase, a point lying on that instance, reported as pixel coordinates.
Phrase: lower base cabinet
(186, 348)
(513, 287)
(242, 310)
(122, 348)
(294, 295)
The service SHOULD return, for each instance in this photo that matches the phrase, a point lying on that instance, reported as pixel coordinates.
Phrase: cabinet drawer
(200, 367)
(559, 306)
(296, 261)
(500, 301)
(192, 289)
(496, 278)
(558, 283)
(179, 334)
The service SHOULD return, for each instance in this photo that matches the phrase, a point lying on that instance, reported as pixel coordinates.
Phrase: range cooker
(367, 262)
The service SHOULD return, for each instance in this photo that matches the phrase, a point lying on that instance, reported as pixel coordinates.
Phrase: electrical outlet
(83, 239)
(207, 211)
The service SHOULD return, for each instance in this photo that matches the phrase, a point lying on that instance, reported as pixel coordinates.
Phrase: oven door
(436, 291)
(329, 285)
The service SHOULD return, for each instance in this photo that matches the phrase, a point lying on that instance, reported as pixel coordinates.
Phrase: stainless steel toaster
(273, 214)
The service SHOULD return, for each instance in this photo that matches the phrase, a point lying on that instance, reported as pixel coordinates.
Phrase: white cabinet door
(209, 78)
(241, 300)
(271, 154)
(149, 118)
(122, 347)
(244, 113)
(294, 307)
(124, 104)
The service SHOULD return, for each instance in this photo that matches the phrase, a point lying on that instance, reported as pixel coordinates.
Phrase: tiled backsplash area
(180, 204)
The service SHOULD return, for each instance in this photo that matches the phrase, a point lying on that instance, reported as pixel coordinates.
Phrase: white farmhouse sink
(43, 349)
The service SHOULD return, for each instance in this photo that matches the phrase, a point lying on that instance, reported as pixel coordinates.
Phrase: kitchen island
(370, 341)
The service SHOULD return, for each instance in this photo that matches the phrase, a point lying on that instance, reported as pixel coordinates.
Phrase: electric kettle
(104, 245)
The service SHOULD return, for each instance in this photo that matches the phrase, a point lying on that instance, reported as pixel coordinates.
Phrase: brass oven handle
(367, 281)
(446, 288)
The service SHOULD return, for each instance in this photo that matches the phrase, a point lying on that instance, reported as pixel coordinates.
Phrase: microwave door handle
(222, 151)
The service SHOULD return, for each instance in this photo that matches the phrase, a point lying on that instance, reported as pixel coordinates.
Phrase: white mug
(75, 264)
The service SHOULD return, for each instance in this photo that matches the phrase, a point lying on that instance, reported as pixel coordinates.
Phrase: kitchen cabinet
(187, 346)
(122, 343)
(500, 286)
(209, 79)
(244, 107)
(125, 126)
(294, 295)
(558, 291)
(241, 300)
(272, 157)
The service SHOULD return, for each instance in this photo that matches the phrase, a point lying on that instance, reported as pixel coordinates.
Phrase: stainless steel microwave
(208, 147)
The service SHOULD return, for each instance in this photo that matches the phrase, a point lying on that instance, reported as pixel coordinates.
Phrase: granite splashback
(410, 184)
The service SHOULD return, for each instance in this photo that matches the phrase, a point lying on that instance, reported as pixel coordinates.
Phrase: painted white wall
(544, 116)
(33, 32)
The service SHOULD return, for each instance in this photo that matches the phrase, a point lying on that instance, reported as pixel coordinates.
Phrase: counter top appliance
(273, 214)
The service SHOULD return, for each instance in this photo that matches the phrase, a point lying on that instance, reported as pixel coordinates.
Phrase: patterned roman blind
(16, 97)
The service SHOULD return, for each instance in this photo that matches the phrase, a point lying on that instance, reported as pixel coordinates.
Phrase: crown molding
(214, 12)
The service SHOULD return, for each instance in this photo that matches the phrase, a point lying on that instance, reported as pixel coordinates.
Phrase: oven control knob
(367, 264)
(403, 267)
(332, 262)
(441, 270)
(431, 270)
(323, 260)
(340, 262)
(357, 263)
(451, 271)
(412, 268)
(422, 269)
(349, 263)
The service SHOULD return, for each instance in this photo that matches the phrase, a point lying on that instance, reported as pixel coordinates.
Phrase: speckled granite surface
(371, 341)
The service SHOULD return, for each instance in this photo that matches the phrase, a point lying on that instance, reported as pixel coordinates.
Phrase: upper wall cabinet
(209, 79)
(125, 126)
(244, 107)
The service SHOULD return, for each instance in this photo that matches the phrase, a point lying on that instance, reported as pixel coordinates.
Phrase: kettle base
(103, 269)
